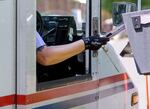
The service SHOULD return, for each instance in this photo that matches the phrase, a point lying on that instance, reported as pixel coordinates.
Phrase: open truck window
(61, 22)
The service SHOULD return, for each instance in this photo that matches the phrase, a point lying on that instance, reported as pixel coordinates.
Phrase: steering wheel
(40, 27)
(39, 23)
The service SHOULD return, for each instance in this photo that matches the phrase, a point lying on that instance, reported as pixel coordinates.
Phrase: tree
(107, 4)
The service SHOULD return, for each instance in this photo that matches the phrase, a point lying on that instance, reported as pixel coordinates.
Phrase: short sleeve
(39, 41)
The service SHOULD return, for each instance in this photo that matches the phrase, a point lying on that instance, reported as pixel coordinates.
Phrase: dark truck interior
(57, 30)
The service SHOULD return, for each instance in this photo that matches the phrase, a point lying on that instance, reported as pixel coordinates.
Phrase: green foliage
(107, 4)
(145, 4)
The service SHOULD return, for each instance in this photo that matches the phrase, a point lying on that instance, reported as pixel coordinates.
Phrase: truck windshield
(106, 14)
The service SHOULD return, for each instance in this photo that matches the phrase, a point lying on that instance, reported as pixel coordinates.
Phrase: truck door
(8, 54)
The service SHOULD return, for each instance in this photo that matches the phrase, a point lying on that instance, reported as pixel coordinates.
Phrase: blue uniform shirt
(39, 41)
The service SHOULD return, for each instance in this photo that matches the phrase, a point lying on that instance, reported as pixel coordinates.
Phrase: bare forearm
(56, 54)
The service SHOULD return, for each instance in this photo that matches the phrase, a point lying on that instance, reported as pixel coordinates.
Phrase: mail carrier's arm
(49, 55)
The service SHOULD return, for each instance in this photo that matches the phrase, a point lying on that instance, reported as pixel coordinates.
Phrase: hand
(94, 42)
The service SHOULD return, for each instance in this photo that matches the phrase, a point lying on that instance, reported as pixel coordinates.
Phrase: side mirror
(121, 7)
